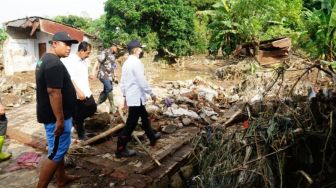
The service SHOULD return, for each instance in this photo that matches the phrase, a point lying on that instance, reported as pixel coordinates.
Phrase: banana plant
(320, 35)
(232, 22)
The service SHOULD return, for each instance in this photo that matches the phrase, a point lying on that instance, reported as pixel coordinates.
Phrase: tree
(159, 23)
(75, 21)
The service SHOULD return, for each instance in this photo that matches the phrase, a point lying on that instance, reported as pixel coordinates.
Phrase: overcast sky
(15, 9)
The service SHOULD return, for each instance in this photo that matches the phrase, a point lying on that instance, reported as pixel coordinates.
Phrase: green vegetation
(193, 27)
(233, 23)
(319, 34)
(3, 35)
(88, 25)
(162, 24)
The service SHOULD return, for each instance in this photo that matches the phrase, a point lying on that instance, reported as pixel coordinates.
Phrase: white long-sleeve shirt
(78, 70)
(133, 83)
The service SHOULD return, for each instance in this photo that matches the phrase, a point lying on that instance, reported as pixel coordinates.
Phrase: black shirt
(51, 73)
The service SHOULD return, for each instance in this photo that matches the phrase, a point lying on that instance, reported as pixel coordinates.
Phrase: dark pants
(3, 125)
(134, 112)
(84, 109)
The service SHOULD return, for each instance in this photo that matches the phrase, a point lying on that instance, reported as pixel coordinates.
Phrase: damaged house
(28, 39)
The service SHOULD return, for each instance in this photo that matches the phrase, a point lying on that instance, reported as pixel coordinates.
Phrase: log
(103, 134)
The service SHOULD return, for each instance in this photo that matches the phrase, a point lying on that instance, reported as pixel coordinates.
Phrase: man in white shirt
(77, 67)
(134, 88)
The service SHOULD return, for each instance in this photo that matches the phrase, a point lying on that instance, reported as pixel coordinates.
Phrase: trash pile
(280, 134)
(15, 94)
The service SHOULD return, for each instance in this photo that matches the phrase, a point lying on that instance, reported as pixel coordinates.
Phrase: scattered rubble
(247, 128)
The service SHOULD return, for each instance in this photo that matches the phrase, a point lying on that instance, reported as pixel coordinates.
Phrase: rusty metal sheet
(51, 27)
(273, 51)
(282, 43)
(271, 57)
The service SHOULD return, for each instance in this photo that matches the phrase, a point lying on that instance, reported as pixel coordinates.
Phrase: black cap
(64, 37)
(134, 44)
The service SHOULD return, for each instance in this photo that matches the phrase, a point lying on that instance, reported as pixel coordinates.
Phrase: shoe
(157, 136)
(125, 153)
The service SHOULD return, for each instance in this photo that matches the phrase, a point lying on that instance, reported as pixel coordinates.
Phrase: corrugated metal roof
(47, 26)
(53, 27)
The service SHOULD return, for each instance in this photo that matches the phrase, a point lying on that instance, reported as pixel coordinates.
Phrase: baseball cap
(134, 44)
(64, 37)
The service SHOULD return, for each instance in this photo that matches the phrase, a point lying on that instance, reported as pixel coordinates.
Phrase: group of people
(64, 100)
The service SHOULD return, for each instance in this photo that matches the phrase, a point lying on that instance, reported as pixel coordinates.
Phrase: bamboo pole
(103, 134)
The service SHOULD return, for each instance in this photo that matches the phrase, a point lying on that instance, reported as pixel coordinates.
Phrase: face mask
(141, 54)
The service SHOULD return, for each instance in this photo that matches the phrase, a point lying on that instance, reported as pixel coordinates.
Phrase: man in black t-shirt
(56, 100)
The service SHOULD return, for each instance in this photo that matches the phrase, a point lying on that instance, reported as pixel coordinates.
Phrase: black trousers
(134, 112)
(3, 125)
(84, 109)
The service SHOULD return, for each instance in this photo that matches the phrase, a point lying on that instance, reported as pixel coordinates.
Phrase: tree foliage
(233, 22)
(75, 21)
(160, 23)
(201, 5)
(319, 36)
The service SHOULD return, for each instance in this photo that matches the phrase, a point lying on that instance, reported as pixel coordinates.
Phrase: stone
(214, 118)
(180, 125)
(186, 121)
(208, 93)
(187, 171)
(169, 129)
(152, 109)
(176, 181)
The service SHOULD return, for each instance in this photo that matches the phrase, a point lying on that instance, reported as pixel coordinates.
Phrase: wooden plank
(170, 164)
(170, 149)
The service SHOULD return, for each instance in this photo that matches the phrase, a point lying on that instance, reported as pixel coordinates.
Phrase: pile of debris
(285, 130)
(16, 94)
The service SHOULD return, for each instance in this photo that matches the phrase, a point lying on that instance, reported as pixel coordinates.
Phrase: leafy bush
(234, 23)
(161, 23)
(319, 33)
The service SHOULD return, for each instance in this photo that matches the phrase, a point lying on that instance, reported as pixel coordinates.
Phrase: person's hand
(2, 109)
(154, 99)
(81, 96)
(59, 128)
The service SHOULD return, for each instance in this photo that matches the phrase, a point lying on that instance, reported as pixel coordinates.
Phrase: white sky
(15, 9)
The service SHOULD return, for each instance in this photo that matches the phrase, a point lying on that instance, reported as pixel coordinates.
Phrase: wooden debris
(103, 135)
